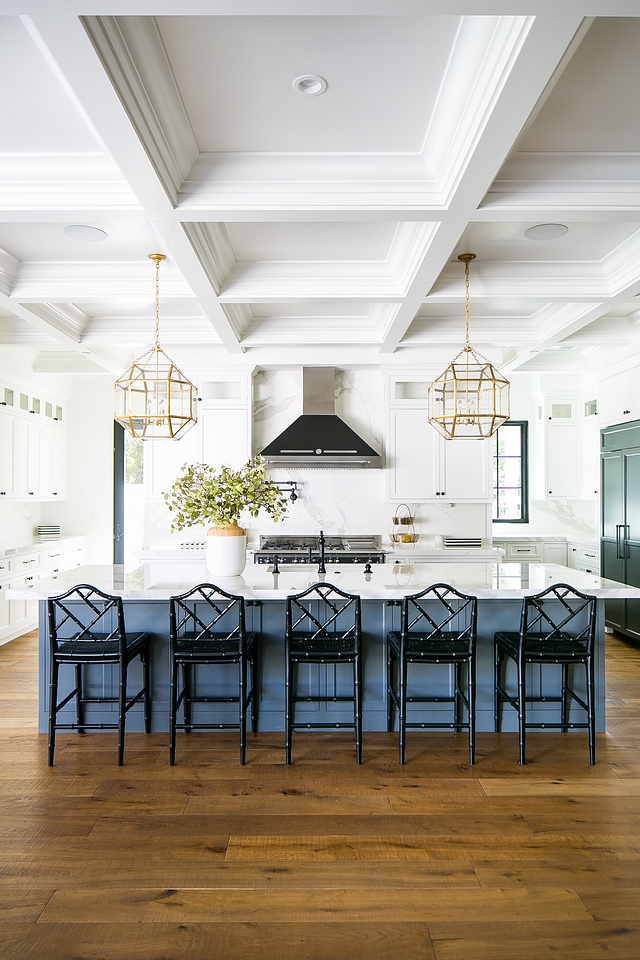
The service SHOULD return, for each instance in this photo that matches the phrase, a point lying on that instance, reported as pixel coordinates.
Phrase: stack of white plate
(48, 531)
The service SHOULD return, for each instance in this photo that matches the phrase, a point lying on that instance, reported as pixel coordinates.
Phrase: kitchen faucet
(321, 567)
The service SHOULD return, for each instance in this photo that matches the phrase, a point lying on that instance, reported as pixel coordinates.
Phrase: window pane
(509, 504)
(509, 440)
(509, 471)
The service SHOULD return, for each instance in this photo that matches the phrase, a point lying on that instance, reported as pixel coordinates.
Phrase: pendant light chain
(157, 259)
(466, 303)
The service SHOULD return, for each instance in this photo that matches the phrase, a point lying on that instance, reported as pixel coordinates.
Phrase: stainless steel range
(358, 549)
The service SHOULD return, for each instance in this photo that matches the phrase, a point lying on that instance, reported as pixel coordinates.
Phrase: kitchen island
(499, 587)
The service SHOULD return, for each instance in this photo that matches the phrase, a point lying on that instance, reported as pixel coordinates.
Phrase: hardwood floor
(321, 860)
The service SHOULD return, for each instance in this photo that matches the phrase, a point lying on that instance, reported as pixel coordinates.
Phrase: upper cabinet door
(226, 437)
(7, 455)
(561, 461)
(412, 457)
(466, 470)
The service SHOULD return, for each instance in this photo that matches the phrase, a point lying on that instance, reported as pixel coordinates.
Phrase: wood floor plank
(532, 941)
(592, 876)
(204, 941)
(100, 870)
(328, 906)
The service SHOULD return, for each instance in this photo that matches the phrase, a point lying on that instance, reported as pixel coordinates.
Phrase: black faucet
(276, 568)
(321, 567)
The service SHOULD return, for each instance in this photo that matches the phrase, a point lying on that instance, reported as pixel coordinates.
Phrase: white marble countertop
(493, 581)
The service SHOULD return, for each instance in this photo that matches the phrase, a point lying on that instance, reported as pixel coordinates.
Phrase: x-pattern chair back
(322, 606)
(458, 612)
(558, 614)
(89, 619)
(191, 611)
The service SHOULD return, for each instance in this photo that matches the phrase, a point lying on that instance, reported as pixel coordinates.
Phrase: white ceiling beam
(65, 42)
(538, 58)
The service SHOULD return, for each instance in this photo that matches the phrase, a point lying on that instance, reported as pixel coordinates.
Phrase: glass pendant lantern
(154, 400)
(471, 398)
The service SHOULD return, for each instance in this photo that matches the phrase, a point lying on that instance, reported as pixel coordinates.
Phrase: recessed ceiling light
(546, 231)
(310, 85)
(81, 231)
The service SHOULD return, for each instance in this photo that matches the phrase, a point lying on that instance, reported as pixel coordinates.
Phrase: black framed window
(511, 473)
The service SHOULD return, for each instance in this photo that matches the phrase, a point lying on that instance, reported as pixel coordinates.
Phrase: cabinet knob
(55, 493)
(3, 493)
(626, 411)
(30, 493)
(550, 491)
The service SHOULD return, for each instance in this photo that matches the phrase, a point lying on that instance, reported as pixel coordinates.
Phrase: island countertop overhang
(487, 581)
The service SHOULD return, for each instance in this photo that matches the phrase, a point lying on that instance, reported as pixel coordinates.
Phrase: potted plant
(203, 494)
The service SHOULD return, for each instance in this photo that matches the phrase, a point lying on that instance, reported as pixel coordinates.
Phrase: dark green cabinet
(620, 530)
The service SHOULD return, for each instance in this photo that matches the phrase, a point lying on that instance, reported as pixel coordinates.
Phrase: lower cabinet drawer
(524, 551)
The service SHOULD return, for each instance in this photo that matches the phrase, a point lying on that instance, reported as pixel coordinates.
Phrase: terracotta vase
(226, 550)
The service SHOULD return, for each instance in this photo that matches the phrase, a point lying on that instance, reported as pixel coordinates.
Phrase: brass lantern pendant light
(154, 401)
(470, 399)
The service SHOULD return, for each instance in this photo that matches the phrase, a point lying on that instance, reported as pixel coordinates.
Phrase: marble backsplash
(345, 501)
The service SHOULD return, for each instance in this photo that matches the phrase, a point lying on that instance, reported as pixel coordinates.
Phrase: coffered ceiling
(320, 228)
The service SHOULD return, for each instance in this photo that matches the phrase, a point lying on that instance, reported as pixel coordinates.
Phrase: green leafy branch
(204, 494)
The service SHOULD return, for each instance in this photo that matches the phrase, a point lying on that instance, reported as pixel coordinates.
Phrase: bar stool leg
(565, 697)
(255, 686)
(122, 698)
(357, 704)
(187, 677)
(402, 713)
(472, 709)
(53, 702)
(522, 710)
(173, 711)
(147, 687)
(288, 711)
(591, 712)
(390, 704)
(497, 701)
(79, 704)
(242, 707)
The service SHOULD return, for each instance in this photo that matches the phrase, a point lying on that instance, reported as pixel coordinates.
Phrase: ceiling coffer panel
(319, 438)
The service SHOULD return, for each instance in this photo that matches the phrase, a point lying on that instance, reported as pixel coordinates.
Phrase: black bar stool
(86, 626)
(557, 626)
(438, 626)
(207, 627)
(323, 625)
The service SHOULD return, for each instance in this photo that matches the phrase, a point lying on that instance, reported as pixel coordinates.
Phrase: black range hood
(319, 438)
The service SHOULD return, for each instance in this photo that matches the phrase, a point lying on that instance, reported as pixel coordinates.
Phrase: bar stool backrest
(439, 612)
(324, 610)
(86, 615)
(207, 612)
(559, 613)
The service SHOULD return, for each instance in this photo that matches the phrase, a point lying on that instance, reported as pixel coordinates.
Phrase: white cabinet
(6, 614)
(32, 440)
(226, 436)
(553, 552)
(7, 433)
(585, 557)
(561, 462)
(24, 570)
(589, 458)
(555, 467)
(619, 398)
(423, 466)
